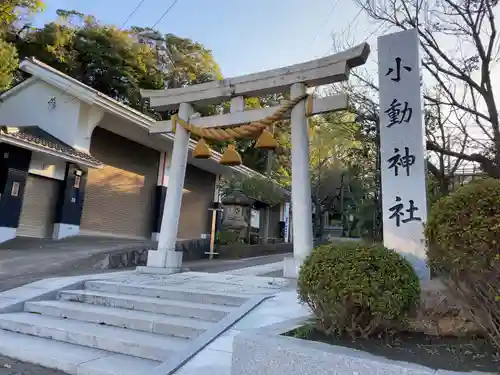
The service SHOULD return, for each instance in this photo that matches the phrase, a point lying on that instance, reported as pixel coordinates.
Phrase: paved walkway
(22, 266)
(25, 260)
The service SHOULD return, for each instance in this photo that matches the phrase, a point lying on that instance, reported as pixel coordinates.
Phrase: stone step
(119, 340)
(131, 319)
(170, 292)
(212, 313)
(69, 358)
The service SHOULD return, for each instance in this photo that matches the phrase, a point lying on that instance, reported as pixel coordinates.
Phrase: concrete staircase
(111, 327)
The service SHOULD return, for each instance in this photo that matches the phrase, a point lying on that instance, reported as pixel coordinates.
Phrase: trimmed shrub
(463, 228)
(358, 289)
(227, 237)
(463, 235)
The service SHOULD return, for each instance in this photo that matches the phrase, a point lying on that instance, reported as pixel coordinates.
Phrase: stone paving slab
(220, 283)
(216, 358)
(13, 299)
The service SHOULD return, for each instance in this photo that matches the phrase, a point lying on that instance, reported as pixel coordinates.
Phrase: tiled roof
(33, 135)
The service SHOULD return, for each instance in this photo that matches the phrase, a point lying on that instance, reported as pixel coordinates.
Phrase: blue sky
(244, 36)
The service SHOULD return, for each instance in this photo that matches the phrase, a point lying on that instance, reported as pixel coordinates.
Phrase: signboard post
(402, 140)
(287, 221)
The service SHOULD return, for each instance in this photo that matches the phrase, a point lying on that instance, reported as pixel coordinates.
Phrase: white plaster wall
(88, 118)
(47, 166)
(30, 107)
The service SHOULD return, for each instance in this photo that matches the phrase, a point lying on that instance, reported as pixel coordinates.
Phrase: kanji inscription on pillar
(404, 193)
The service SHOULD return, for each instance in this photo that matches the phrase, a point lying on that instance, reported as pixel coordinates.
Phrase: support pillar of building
(301, 187)
(14, 167)
(166, 259)
(264, 223)
(69, 206)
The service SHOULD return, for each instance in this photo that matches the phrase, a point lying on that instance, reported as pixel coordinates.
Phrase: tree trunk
(249, 225)
(317, 217)
(322, 225)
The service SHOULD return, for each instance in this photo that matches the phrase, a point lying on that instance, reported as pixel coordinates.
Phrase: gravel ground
(9, 366)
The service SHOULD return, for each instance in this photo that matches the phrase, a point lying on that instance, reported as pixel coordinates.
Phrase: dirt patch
(9, 366)
(462, 354)
(238, 251)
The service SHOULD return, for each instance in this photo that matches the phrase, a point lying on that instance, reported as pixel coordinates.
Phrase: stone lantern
(237, 208)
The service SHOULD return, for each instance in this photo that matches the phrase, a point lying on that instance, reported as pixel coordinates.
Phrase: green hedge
(358, 289)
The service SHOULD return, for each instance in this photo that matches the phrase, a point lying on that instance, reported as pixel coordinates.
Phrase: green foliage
(12, 11)
(183, 61)
(191, 62)
(227, 237)
(463, 228)
(463, 232)
(358, 289)
(432, 190)
(103, 57)
(303, 332)
(255, 187)
(114, 61)
(8, 64)
(366, 221)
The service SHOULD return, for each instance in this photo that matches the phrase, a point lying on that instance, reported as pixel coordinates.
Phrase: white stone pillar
(166, 256)
(402, 137)
(301, 186)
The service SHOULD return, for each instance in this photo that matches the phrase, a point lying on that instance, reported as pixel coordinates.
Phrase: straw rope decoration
(252, 130)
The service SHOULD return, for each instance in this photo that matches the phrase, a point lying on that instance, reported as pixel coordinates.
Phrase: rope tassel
(231, 157)
(266, 141)
(202, 150)
(251, 130)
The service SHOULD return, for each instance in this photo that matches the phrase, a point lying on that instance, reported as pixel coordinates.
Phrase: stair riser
(116, 321)
(71, 359)
(142, 350)
(177, 295)
(130, 304)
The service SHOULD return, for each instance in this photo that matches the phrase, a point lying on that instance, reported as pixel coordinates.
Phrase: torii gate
(296, 78)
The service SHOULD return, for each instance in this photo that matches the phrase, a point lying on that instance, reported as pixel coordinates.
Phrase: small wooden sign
(15, 189)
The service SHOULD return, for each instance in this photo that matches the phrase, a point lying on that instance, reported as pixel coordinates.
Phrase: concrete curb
(265, 352)
(255, 270)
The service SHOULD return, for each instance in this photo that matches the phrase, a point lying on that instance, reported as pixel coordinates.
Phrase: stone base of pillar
(164, 259)
(291, 267)
(160, 270)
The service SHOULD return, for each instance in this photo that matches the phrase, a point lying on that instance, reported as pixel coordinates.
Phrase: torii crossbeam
(295, 79)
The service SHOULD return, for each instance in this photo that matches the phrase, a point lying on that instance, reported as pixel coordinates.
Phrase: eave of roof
(91, 96)
(36, 139)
